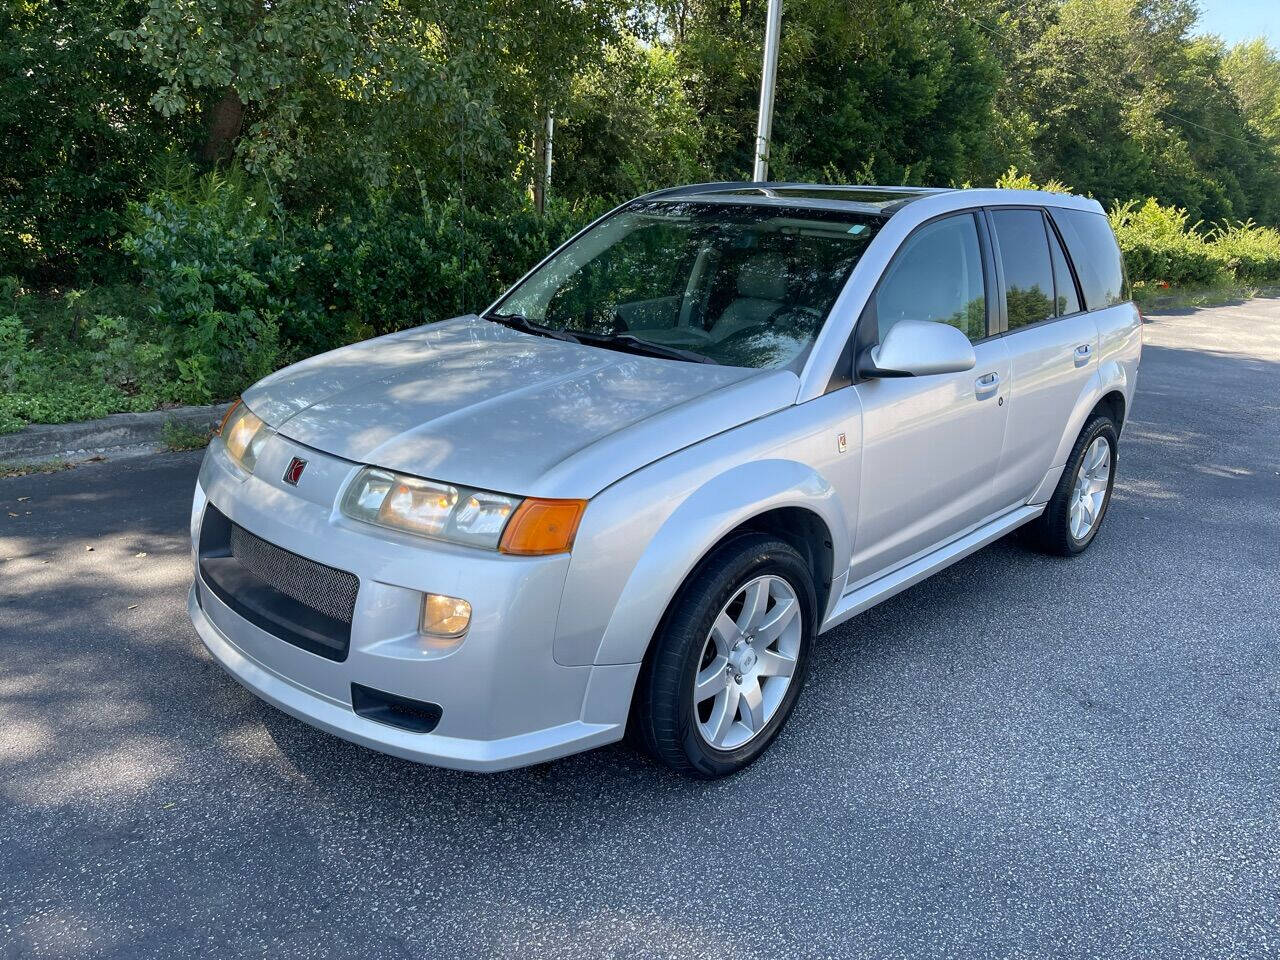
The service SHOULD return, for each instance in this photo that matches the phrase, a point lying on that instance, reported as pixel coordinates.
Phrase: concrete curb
(120, 430)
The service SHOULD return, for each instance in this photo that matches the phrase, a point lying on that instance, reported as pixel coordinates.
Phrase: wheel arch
(1112, 404)
(1108, 389)
(781, 497)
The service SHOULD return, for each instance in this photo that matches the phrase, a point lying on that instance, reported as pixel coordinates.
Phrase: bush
(1160, 246)
(57, 382)
(217, 283)
(392, 266)
(1012, 180)
(1250, 252)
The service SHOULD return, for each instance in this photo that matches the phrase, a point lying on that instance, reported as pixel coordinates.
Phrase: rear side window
(937, 275)
(1028, 270)
(1096, 254)
(1068, 299)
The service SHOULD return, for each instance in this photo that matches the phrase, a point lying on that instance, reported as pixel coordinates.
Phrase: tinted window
(1068, 299)
(1096, 255)
(1028, 272)
(937, 275)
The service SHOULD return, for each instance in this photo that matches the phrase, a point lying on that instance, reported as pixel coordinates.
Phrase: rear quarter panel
(1119, 354)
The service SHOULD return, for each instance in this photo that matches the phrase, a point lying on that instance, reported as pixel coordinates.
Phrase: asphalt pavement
(1021, 757)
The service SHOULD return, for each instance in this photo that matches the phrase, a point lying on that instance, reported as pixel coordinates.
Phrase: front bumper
(505, 701)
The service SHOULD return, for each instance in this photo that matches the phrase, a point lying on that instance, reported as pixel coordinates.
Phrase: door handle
(1083, 353)
(986, 385)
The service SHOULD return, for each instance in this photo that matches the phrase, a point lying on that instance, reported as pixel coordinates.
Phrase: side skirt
(865, 597)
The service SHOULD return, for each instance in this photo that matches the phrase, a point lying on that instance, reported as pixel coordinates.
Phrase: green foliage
(1252, 69)
(1011, 179)
(903, 91)
(76, 138)
(177, 436)
(55, 381)
(1250, 252)
(1116, 98)
(628, 127)
(396, 265)
(1160, 244)
(217, 285)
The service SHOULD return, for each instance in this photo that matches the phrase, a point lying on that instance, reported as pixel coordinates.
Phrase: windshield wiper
(517, 322)
(634, 344)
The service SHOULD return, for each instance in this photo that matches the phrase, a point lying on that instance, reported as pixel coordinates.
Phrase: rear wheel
(1079, 503)
(729, 660)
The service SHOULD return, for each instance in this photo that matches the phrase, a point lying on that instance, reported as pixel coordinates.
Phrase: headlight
(437, 510)
(475, 518)
(244, 434)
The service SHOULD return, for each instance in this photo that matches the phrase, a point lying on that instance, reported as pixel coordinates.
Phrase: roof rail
(766, 186)
(689, 189)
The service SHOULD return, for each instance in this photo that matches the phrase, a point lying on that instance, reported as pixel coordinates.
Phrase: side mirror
(918, 348)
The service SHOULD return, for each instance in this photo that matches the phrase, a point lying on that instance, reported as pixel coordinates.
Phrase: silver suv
(717, 422)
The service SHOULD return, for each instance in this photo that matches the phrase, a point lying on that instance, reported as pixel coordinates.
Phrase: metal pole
(546, 171)
(764, 125)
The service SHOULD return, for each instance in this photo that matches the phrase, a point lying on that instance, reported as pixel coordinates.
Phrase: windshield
(740, 284)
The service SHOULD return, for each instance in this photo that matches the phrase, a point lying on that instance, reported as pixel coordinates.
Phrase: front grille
(330, 591)
(301, 601)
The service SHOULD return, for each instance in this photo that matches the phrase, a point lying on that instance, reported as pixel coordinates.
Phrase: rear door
(931, 444)
(1052, 344)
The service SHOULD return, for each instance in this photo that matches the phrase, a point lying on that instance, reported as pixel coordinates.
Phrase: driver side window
(936, 275)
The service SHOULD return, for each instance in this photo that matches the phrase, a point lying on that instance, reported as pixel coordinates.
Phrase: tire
(700, 737)
(1054, 531)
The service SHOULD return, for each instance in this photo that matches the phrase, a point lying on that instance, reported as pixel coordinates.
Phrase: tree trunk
(225, 121)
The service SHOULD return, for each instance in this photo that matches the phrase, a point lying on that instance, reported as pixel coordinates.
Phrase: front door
(931, 444)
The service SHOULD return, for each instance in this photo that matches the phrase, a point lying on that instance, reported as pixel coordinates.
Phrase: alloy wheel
(748, 662)
(1092, 480)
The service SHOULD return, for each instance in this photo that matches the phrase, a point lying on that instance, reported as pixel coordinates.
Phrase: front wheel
(729, 660)
(1079, 503)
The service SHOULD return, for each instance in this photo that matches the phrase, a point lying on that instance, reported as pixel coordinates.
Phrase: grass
(1154, 298)
(8, 470)
(180, 436)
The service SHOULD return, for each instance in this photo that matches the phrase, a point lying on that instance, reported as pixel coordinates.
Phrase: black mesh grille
(330, 591)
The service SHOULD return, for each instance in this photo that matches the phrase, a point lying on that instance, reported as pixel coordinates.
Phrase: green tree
(321, 94)
(76, 138)
(1253, 70)
(1115, 98)
(867, 89)
(627, 126)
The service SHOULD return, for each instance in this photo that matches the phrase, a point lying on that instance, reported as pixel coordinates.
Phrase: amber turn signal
(227, 416)
(540, 527)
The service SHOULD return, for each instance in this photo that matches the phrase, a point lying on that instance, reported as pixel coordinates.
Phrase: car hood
(472, 402)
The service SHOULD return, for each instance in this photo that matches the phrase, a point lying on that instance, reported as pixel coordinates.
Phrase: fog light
(446, 617)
